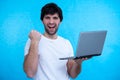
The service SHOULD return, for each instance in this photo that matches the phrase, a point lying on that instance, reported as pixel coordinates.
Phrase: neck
(50, 36)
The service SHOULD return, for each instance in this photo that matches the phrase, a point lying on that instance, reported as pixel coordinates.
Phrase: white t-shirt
(49, 66)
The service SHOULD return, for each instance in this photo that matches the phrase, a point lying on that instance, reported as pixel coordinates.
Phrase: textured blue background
(19, 17)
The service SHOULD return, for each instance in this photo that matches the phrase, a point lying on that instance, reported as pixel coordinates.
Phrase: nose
(51, 21)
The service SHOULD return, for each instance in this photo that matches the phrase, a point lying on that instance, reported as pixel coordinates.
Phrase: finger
(32, 31)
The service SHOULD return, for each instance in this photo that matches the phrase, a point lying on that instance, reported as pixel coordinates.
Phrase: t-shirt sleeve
(70, 48)
(27, 46)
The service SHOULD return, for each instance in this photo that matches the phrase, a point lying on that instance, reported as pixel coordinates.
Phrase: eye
(47, 17)
(55, 18)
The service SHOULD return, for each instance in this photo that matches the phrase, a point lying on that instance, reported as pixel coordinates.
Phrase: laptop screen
(90, 43)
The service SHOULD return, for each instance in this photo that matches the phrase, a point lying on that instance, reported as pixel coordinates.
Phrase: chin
(51, 33)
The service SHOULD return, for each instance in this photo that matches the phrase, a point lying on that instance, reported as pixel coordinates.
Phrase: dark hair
(51, 8)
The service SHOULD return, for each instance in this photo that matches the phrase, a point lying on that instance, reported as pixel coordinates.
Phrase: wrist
(34, 42)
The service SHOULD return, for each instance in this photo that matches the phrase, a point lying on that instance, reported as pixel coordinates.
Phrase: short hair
(51, 8)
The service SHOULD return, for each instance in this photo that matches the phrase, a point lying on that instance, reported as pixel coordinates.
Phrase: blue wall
(18, 17)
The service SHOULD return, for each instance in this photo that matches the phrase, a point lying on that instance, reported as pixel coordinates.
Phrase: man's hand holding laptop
(80, 60)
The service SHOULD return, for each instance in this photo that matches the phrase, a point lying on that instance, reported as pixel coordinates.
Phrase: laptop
(89, 44)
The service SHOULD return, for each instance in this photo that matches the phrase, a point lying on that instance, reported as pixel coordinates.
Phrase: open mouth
(51, 27)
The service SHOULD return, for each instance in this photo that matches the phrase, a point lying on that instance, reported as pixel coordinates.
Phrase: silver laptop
(89, 44)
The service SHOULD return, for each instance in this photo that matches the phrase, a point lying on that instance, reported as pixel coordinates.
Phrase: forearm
(73, 68)
(31, 60)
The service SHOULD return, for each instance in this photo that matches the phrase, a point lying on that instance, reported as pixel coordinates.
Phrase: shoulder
(64, 40)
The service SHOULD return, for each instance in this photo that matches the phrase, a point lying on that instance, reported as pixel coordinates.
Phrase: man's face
(51, 23)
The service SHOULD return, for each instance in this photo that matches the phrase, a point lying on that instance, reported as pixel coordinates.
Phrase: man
(42, 51)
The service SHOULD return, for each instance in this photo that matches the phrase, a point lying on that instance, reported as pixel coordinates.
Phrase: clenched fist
(35, 36)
